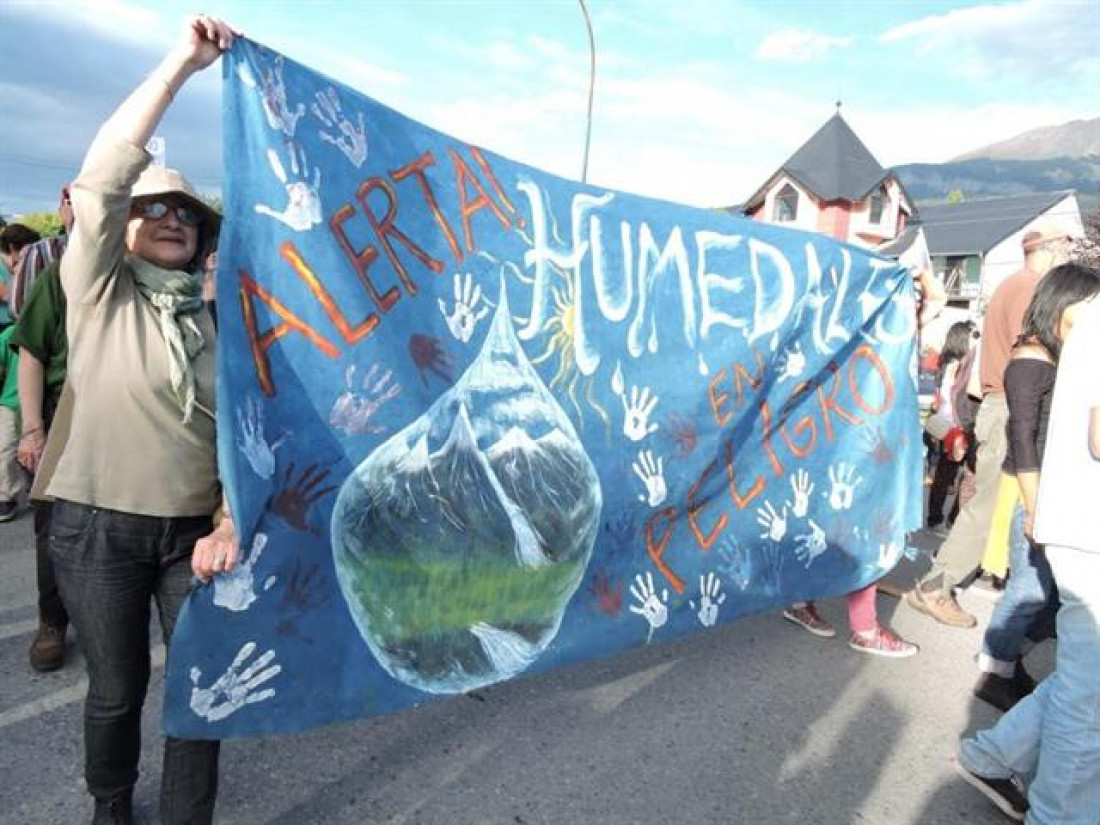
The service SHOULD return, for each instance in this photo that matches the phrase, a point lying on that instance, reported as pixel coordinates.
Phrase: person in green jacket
(11, 477)
(39, 335)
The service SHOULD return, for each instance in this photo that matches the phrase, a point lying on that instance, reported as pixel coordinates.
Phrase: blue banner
(477, 421)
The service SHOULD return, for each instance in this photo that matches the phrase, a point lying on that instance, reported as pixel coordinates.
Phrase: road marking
(9, 631)
(60, 698)
(13, 605)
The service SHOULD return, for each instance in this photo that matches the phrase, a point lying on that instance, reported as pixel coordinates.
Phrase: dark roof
(975, 227)
(833, 164)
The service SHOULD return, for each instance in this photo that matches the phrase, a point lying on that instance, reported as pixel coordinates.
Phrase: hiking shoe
(8, 510)
(940, 606)
(883, 642)
(48, 648)
(1006, 794)
(807, 617)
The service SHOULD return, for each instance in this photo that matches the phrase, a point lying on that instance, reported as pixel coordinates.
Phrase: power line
(42, 164)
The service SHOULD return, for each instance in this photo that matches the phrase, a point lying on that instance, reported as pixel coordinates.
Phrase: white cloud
(116, 20)
(364, 75)
(799, 46)
(1046, 41)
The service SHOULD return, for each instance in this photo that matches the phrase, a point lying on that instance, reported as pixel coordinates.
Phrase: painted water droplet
(703, 368)
(618, 383)
(459, 541)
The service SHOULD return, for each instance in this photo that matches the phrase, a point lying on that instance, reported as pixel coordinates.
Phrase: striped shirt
(35, 258)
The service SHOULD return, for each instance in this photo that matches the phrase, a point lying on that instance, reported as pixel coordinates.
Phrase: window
(786, 205)
(879, 203)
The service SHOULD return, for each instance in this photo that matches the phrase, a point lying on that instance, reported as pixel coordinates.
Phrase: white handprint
(774, 524)
(736, 563)
(235, 590)
(808, 546)
(636, 424)
(351, 141)
(889, 554)
(273, 98)
(463, 320)
(651, 472)
(650, 606)
(352, 411)
(251, 441)
(802, 487)
(793, 362)
(303, 199)
(709, 600)
(236, 687)
(844, 482)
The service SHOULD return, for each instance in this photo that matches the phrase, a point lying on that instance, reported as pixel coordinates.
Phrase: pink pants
(862, 616)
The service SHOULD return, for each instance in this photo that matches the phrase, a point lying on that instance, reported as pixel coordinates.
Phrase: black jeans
(109, 566)
(51, 610)
(947, 474)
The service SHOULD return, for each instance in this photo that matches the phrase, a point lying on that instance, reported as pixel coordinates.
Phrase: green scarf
(175, 296)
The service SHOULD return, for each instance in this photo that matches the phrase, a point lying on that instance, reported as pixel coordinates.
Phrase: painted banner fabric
(477, 421)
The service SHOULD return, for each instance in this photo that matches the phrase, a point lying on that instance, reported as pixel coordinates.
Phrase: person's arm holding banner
(203, 40)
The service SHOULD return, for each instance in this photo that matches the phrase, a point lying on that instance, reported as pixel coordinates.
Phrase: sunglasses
(157, 210)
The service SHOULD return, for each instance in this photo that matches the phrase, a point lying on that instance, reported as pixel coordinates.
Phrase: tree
(1086, 250)
(213, 201)
(955, 196)
(46, 224)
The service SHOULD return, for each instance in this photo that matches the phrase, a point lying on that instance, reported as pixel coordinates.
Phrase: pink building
(834, 185)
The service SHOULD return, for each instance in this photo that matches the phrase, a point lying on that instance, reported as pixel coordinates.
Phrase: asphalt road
(756, 722)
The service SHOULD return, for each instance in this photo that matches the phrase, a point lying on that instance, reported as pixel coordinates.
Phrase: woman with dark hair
(136, 488)
(1030, 601)
(956, 346)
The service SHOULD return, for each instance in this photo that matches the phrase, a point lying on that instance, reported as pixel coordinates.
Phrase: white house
(977, 244)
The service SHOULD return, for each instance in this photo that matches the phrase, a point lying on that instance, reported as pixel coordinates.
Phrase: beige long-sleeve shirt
(128, 448)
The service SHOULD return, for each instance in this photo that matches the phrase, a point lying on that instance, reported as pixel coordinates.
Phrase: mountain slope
(1074, 139)
(984, 178)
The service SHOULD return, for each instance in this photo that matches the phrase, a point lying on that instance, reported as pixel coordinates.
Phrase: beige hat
(1042, 232)
(159, 180)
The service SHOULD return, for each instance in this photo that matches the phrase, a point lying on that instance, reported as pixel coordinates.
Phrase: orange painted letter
(260, 343)
(656, 547)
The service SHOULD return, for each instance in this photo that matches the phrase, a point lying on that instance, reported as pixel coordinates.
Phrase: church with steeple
(834, 185)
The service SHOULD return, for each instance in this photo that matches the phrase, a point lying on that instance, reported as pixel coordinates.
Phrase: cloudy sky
(696, 100)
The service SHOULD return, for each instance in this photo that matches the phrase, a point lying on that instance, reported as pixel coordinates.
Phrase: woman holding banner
(137, 487)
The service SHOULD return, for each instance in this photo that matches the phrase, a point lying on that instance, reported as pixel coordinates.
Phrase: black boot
(117, 811)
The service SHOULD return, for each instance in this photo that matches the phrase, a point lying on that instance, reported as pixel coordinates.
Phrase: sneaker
(1002, 692)
(8, 509)
(1006, 794)
(48, 648)
(807, 617)
(940, 606)
(118, 811)
(883, 642)
(1023, 679)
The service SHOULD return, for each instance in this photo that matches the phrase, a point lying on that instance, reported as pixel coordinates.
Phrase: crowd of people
(107, 356)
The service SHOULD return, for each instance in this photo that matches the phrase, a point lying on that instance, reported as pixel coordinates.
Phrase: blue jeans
(110, 566)
(1027, 608)
(1055, 732)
